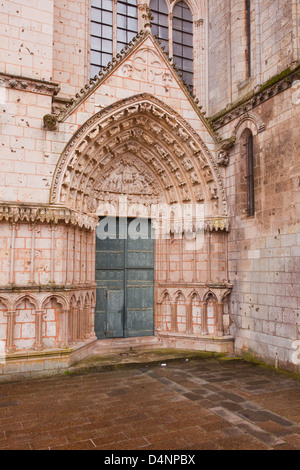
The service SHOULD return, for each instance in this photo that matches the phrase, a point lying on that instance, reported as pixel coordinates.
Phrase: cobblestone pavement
(205, 404)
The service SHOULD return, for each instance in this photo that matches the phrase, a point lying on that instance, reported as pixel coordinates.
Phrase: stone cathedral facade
(117, 117)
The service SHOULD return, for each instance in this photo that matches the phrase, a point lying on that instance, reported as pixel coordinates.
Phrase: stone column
(71, 326)
(64, 329)
(52, 268)
(174, 316)
(219, 319)
(194, 265)
(80, 314)
(91, 321)
(189, 316)
(38, 345)
(81, 271)
(86, 256)
(10, 347)
(12, 253)
(32, 255)
(204, 329)
(226, 255)
(168, 260)
(115, 39)
(74, 267)
(68, 280)
(158, 316)
(181, 279)
(86, 328)
(74, 314)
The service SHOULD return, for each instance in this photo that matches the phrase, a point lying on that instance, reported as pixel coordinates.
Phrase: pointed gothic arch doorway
(142, 151)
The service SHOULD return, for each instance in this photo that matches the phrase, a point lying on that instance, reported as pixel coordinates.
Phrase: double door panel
(125, 282)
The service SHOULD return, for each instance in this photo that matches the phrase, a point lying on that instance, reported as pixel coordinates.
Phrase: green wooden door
(125, 280)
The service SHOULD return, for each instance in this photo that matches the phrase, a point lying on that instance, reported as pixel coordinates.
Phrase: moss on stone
(275, 79)
(269, 83)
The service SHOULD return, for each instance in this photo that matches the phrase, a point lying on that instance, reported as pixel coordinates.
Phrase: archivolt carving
(141, 148)
(40, 300)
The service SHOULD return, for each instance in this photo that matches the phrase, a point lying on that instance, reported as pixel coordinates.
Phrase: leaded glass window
(127, 22)
(248, 37)
(183, 41)
(101, 34)
(160, 22)
(176, 33)
(113, 26)
(250, 174)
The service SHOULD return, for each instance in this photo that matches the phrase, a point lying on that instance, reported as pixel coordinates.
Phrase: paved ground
(186, 405)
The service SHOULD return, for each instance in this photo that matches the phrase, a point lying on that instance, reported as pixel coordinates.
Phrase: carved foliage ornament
(151, 131)
(49, 214)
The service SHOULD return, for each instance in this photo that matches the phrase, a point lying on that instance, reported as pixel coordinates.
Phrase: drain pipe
(276, 361)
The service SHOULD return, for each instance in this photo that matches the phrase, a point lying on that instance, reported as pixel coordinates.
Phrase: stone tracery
(169, 156)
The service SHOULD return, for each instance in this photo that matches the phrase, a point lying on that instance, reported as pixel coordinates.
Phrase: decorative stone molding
(259, 124)
(144, 127)
(219, 224)
(40, 297)
(29, 84)
(15, 213)
(264, 93)
(64, 109)
(202, 291)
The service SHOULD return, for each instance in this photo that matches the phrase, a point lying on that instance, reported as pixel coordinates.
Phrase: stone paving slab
(199, 404)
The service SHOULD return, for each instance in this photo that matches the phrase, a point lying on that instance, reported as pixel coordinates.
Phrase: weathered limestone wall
(45, 255)
(71, 51)
(26, 29)
(45, 43)
(274, 46)
(264, 256)
(264, 250)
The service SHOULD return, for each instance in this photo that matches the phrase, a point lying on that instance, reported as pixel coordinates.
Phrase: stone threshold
(208, 343)
(110, 353)
(138, 358)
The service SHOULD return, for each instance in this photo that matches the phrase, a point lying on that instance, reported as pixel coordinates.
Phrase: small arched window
(248, 142)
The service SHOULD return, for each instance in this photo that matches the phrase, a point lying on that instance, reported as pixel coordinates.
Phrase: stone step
(126, 344)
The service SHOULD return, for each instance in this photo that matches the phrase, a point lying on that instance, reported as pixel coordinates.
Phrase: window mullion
(115, 28)
(171, 34)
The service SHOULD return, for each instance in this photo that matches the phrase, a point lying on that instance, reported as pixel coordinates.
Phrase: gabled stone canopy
(142, 60)
(144, 137)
